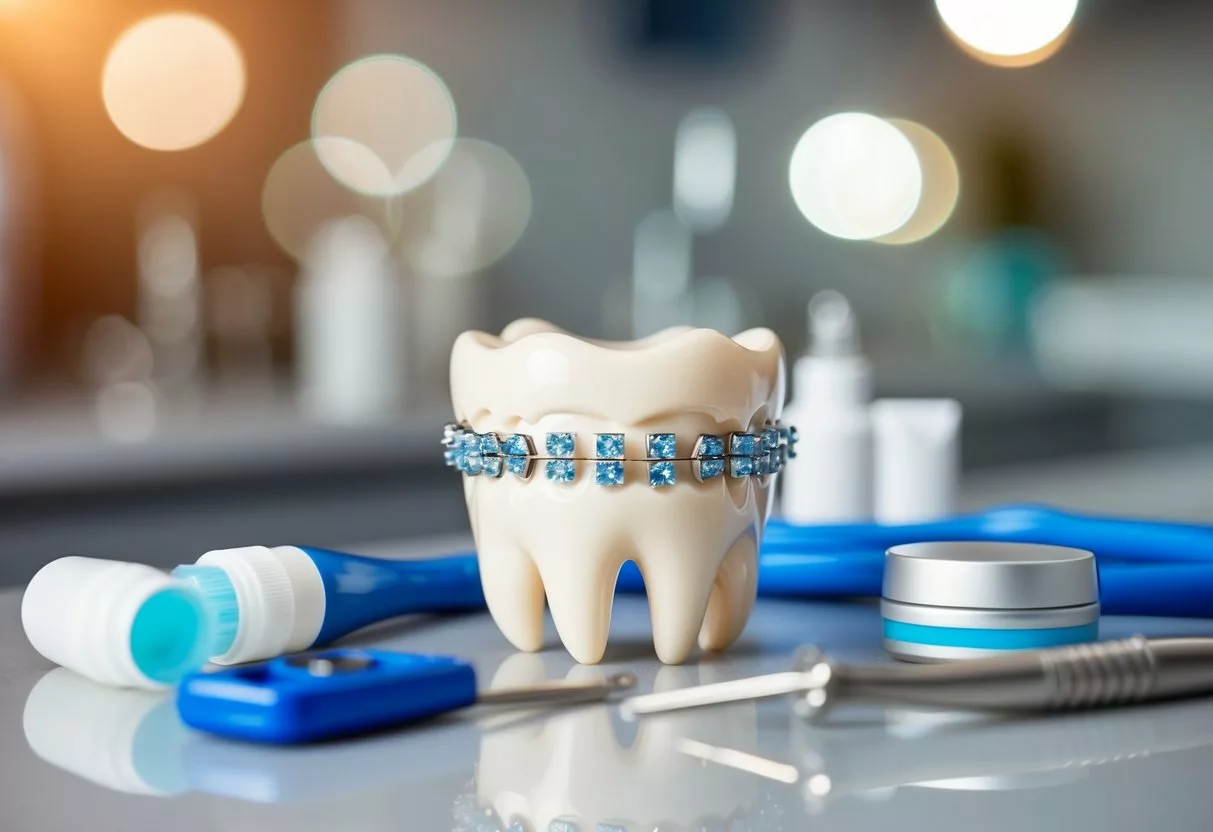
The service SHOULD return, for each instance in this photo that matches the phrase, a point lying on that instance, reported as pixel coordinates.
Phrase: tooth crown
(535, 370)
(606, 431)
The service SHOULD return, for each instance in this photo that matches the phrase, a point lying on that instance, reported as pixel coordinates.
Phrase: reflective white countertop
(77, 756)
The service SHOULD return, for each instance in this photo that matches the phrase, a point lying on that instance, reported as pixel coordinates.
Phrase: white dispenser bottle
(349, 308)
(831, 479)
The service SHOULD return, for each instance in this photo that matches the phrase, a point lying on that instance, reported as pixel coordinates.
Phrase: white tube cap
(120, 624)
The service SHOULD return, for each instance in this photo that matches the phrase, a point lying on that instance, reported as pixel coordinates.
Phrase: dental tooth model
(580, 455)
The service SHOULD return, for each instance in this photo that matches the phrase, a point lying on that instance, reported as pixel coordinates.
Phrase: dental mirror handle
(1060, 678)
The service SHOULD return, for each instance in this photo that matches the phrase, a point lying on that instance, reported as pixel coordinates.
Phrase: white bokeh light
(299, 195)
(855, 176)
(940, 185)
(394, 108)
(705, 168)
(472, 212)
(1007, 28)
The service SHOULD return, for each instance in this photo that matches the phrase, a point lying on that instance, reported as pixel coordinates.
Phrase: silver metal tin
(989, 619)
(1006, 576)
(971, 592)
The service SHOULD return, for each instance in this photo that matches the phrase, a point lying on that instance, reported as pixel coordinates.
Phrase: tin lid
(986, 575)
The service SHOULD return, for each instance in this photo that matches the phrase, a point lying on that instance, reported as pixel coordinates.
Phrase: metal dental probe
(1060, 678)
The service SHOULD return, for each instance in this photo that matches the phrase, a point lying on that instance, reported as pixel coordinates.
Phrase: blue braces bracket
(735, 455)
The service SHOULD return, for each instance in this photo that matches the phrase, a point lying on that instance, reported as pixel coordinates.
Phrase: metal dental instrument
(1060, 678)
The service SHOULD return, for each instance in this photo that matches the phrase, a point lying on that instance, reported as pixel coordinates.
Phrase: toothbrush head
(220, 601)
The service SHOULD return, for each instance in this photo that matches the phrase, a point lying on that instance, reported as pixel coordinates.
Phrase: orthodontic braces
(736, 455)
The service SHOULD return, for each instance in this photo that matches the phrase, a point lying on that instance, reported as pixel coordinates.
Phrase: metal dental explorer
(1059, 678)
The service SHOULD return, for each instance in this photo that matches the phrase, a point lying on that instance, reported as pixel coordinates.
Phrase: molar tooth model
(580, 455)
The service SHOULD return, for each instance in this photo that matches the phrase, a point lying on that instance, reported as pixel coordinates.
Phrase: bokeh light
(474, 210)
(1008, 33)
(855, 176)
(940, 185)
(394, 108)
(115, 350)
(126, 411)
(661, 273)
(173, 81)
(705, 168)
(299, 196)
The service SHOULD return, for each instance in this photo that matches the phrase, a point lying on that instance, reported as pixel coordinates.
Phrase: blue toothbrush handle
(360, 591)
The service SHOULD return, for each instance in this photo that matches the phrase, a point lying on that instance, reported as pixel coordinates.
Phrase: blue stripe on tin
(990, 639)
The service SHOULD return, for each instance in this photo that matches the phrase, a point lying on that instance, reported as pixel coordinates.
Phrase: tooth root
(513, 592)
(733, 595)
(678, 586)
(579, 597)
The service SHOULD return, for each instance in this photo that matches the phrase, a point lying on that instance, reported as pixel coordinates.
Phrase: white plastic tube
(120, 624)
(917, 458)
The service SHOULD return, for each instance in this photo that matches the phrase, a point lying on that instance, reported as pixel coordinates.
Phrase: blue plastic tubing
(1145, 568)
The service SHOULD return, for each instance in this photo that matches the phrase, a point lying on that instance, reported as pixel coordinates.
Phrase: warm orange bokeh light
(1032, 58)
(173, 81)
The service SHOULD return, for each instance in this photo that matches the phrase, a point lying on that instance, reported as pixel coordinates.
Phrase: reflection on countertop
(881, 752)
(743, 767)
(585, 769)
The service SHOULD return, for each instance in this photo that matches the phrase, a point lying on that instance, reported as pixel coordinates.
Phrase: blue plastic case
(332, 693)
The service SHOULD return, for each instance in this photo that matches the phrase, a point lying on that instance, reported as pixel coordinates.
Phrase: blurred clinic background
(237, 239)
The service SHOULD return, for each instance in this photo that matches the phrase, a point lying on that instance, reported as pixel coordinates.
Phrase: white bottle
(349, 310)
(830, 481)
(917, 453)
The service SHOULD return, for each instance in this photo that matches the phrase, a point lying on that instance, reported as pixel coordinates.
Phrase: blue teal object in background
(987, 299)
